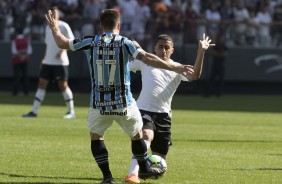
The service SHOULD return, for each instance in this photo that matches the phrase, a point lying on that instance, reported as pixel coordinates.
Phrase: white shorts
(129, 119)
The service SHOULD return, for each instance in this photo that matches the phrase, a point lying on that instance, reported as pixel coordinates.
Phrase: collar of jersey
(109, 34)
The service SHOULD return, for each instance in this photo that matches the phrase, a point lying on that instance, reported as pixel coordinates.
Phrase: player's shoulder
(63, 23)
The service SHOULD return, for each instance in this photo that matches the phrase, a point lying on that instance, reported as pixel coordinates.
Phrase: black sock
(100, 153)
(140, 152)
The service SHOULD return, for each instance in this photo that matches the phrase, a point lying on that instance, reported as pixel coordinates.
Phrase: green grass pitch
(227, 140)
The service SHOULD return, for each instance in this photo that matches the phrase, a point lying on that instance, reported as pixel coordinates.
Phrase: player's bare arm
(155, 61)
(204, 44)
(52, 20)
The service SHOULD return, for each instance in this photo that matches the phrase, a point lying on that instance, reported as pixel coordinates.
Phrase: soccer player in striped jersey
(108, 56)
(154, 101)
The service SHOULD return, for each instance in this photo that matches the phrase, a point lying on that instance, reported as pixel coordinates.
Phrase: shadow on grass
(275, 154)
(45, 177)
(33, 183)
(261, 169)
(228, 141)
(118, 180)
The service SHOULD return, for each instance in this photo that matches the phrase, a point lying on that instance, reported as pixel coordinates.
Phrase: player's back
(108, 57)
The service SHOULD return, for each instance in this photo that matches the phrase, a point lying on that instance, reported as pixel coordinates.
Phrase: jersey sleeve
(68, 32)
(183, 77)
(83, 43)
(132, 49)
(135, 65)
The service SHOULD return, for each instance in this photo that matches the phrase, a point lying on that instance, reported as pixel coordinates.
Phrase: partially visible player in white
(54, 68)
(154, 101)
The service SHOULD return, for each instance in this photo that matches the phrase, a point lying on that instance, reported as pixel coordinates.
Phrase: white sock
(148, 144)
(68, 97)
(134, 167)
(38, 99)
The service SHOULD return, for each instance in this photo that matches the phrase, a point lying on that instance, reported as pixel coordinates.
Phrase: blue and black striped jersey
(108, 57)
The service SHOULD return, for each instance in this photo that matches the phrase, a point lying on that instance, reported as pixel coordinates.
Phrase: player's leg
(45, 75)
(61, 74)
(98, 124)
(162, 135)
(25, 78)
(132, 123)
(148, 136)
(16, 70)
(68, 98)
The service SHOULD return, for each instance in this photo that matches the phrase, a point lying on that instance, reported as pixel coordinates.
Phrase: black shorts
(160, 123)
(54, 72)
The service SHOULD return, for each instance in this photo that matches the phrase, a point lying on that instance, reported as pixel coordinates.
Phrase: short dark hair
(54, 8)
(109, 18)
(164, 37)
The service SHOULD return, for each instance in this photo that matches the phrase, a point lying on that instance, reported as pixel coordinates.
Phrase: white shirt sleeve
(136, 52)
(71, 45)
(135, 65)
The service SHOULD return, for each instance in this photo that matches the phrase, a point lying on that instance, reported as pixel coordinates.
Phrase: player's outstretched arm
(52, 20)
(204, 44)
(155, 61)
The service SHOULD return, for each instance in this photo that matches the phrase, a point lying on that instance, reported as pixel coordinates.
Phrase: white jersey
(52, 49)
(158, 87)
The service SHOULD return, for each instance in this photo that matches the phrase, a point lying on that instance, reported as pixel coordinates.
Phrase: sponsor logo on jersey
(109, 113)
(104, 44)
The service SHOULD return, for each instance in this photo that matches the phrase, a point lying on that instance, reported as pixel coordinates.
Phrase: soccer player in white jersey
(108, 56)
(54, 68)
(154, 101)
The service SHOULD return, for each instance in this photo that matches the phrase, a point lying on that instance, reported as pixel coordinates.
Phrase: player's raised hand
(205, 43)
(52, 18)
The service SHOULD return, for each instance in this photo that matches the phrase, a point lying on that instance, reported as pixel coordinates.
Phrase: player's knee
(137, 136)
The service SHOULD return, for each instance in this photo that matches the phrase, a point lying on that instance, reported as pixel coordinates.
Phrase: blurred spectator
(112, 4)
(252, 29)
(21, 51)
(185, 20)
(21, 9)
(174, 23)
(196, 6)
(216, 79)
(201, 25)
(139, 25)
(91, 15)
(277, 26)
(265, 21)
(73, 13)
(190, 19)
(213, 18)
(128, 16)
(241, 16)
(226, 13)
(159, 17)
(37, 25)
(6, 20)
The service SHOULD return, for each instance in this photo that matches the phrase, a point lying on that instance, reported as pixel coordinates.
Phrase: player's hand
(185, 70)
(52, 18)
(136, 44)
(205, 43)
